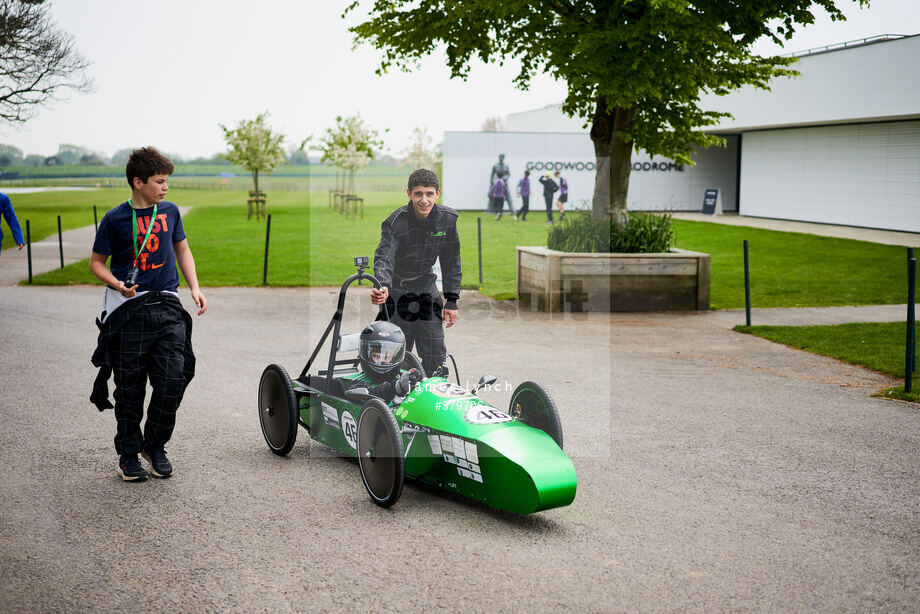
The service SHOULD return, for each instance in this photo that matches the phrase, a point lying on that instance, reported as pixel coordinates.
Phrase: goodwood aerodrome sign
(568, 165)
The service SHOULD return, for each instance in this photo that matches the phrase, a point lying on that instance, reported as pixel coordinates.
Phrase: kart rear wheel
(380, 453)
(532, 405)
(277, 409)
(411, 361)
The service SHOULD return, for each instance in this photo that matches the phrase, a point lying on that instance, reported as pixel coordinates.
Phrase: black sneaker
(129, 468)
(159, 464)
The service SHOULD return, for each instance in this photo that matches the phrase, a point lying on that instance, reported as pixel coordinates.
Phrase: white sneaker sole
(153, 471)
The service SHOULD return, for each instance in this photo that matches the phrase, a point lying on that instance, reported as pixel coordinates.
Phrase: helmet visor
(383, 353)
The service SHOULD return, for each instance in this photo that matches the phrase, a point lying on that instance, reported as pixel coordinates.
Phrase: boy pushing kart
(412, 239)
(144, 332)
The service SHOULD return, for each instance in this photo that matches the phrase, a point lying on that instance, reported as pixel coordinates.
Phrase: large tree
(37, 61)
(635, 69)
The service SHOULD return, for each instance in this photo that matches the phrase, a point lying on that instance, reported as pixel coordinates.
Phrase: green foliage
(254, 146)
(579, 232)
(643, 233)
(9, 155)
(655, 55)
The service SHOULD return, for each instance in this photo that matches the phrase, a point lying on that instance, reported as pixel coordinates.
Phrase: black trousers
(420, 317)
(149, 346)
(525, 207)
(549, 206)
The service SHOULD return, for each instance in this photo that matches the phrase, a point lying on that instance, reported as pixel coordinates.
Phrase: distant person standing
(501, 170)
(498, 195)
(549, 188)
(563, 195)
(523, 190)
(6, 209)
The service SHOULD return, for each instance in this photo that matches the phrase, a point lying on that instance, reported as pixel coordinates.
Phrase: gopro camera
(361, 262)
(132, 277)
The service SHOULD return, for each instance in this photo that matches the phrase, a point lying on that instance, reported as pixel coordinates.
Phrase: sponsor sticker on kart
(449, 390)
(331, 416)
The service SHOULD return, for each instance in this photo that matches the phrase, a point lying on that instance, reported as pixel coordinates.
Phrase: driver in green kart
(383, 348)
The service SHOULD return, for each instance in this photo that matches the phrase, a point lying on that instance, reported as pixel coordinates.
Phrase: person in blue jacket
(6, 209)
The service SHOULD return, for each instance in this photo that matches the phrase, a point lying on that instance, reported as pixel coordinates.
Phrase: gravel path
(717, 471)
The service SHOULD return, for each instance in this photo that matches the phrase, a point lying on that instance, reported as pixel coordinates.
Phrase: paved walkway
(716, 472)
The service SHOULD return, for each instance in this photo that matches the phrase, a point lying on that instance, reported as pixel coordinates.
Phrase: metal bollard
(29, 248)
(911, 325)
(479, 240)
(60, 242)
(747, 286)
(268, 231)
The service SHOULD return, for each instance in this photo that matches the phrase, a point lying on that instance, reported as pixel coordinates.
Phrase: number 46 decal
(484, 414)
(350, 428)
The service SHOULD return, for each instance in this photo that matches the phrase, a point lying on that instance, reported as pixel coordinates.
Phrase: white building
(840, 144)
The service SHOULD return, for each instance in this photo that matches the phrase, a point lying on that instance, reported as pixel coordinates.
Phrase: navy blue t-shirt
(157, 263)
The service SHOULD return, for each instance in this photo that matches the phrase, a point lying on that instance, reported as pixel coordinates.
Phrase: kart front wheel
(277, 409)
(380, 453)
(532, 405)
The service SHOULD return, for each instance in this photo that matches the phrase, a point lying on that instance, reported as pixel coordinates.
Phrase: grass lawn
(74, 207)
(310, 244)
(877, 345)
(796, 270)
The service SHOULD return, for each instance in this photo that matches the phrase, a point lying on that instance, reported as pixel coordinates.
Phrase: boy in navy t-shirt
(144, 330)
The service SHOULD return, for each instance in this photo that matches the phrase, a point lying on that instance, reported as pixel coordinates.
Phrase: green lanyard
(137, 252)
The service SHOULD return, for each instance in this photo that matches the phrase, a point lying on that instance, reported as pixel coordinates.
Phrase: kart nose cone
(529, 472)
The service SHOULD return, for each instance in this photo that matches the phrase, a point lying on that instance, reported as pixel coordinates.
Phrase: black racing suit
(382, 386)
(402, 263)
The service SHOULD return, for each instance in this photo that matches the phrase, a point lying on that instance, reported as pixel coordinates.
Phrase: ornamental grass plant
(644, 233)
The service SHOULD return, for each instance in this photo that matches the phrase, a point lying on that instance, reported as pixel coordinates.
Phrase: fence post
(60, 242)
(747, 286)
(911, 309)
(29, 248)
(911, 327)
(479, 242)
(268, 230)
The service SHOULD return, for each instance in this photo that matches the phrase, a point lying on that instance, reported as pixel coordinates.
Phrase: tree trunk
(613, 162)
(255, 183)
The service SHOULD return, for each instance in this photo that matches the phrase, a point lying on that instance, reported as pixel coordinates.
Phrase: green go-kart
(439, 433)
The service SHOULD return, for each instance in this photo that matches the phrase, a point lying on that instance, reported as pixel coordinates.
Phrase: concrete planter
(548, 280)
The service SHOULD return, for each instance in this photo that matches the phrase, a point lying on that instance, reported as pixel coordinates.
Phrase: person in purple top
(6, 209)
(523, 190)
(498, 195)
(563, 194)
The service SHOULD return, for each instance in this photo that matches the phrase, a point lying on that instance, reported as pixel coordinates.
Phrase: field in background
(312, 245)
(288, 177)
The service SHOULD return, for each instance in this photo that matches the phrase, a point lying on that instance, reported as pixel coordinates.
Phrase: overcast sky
(168, 72)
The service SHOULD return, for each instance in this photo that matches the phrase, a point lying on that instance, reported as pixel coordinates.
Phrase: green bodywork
(457, 442)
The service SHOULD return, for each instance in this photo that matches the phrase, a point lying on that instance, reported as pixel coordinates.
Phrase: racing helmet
(383, 347)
